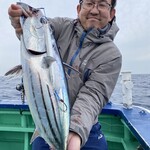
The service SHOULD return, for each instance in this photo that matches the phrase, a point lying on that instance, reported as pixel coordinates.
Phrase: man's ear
(78, 8)
(112, 13)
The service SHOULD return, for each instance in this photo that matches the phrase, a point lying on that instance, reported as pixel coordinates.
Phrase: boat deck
(137, 119)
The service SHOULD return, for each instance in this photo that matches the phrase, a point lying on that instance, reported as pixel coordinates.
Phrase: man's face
(95, 13)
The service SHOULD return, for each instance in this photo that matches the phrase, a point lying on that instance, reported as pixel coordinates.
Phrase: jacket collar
(97, 36)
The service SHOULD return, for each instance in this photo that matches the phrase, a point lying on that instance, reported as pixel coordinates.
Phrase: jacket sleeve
(92, 97)
(59, 25)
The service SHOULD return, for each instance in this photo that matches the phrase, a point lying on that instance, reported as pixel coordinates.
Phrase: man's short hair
(113, 2)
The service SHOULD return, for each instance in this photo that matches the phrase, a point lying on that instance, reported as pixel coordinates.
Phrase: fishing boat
(126, 126)
(125, 129)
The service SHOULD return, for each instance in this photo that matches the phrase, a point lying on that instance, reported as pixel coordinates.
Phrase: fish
(44, 79)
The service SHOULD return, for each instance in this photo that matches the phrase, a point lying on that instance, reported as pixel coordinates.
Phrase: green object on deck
(17, 127)
(118, 135)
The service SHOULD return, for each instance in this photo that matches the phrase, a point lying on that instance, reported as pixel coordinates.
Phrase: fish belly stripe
(49, 122)
(54, 111)
(33, 92)
(30, 71)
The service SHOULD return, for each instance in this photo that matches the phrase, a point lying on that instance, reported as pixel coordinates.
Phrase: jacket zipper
(78, 50)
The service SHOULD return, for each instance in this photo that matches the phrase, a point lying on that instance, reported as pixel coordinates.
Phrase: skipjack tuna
(44, 79)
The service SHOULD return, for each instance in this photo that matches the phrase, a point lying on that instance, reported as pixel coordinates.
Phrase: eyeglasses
(88, 5)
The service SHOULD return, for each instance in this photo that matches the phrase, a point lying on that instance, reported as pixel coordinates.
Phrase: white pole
(127, 86)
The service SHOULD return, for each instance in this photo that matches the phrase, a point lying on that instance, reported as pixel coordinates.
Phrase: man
(85, 43)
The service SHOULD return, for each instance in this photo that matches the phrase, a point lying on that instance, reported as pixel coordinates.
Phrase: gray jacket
(98, 60)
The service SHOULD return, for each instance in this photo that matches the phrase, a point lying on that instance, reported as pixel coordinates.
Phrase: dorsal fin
(17, 70)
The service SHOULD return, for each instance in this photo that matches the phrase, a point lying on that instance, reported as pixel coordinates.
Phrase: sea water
(140, 91)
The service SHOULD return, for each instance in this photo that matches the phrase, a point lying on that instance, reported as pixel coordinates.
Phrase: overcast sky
(133, 39)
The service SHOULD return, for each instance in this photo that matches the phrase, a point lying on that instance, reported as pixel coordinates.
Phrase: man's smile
(93, 18)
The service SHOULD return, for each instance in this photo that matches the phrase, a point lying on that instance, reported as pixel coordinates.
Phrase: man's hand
(15, 11)
(74, 141)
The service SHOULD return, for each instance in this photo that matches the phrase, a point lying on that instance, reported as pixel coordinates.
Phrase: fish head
(32, 27)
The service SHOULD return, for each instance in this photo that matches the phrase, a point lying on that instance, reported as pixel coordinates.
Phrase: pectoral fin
(47, 61)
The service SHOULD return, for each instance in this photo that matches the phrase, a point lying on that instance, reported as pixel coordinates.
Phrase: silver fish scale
(44, 80)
